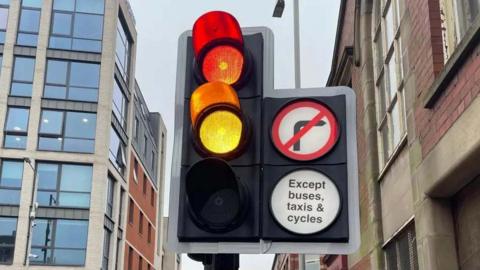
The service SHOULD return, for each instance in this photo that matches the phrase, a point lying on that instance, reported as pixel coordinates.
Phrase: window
(8, 231)
(140, 262)
(117, 253)
(457, 17)
(64, 185)
(123, 49)
(135, 170)
(312, 262)
(110, 195)
(130, 258)
(16, 128)
(120, 104)
(149, 233)
(59, 242)
(144, 187)
(117, 150)
(29, 23)
(135, 130)
(77, 25)
(140, 223)
(120, 207)
(152, 196)
(67, 131)
(106, 248)
(22, 76)
(389, 80)
(11, 182)
(72, 80)
(401, 252)
(152, 160)
(3, 19)
(130, 211)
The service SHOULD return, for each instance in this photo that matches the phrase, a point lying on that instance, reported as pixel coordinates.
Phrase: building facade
(81, 156)
(415, 67)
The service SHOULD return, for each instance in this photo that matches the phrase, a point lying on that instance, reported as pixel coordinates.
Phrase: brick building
(415, 67)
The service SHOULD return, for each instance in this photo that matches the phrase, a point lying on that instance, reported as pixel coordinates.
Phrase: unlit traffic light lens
(216, 198)
(221, 132)
(224, 64)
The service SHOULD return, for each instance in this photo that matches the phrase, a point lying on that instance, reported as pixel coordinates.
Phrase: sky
(159, 23)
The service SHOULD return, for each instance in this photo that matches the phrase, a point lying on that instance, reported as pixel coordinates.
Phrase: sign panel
(305, 202)
(305, 130)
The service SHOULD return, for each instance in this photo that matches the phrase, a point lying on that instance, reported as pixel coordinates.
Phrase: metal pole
(301, 261)
(31, 213)
(296, 38)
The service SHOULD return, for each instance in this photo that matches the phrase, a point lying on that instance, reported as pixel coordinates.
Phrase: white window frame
(389, 146)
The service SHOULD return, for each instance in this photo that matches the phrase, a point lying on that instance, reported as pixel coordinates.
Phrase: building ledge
(469, 42)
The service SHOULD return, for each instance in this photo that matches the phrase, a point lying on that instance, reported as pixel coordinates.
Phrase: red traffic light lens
(224, 64)
(213, 27)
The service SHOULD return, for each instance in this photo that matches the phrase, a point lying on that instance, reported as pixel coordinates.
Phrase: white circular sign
(305, 202)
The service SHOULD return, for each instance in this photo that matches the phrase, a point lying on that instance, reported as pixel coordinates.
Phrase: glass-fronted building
(81, 156)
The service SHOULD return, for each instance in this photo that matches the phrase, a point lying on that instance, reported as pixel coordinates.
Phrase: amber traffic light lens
(221, 131)
(224, 64)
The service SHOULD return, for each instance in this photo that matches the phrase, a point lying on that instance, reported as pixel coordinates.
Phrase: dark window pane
(42, 233)
(32, 3)
(87, 45)
(12, 173)
(51, 122)
(9, 196)
(80, 125)
(24, 68)
(21, 89)
(17, 119)
(56, 92)
(8, 231)
(84, 94)
(27, 39)
(62, 23)
(69, 199)
(391, 257)
(90, 6)
(29, 20)
(47, 198)
(66, 5)
(53, 144)
(71, 234)
(88, 26)
(60, 43)
(16, 142)
(57, 72)
(79, 145)
(47, 175)
(76, 178)
(85, 75)
(119, 104)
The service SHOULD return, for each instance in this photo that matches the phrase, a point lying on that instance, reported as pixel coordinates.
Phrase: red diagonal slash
(303, 131)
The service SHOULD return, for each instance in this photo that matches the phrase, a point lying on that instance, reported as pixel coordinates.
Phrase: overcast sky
(160, 22)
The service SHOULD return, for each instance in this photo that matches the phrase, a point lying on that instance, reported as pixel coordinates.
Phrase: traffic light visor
(218, 47)
(209, 94)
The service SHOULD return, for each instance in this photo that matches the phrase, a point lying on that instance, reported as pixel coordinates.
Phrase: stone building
(415, 67)
(81, 156)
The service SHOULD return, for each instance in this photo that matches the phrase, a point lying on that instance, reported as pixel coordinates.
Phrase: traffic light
(257, 170)
(220, 182)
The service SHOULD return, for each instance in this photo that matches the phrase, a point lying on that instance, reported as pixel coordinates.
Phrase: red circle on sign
(284, 147)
